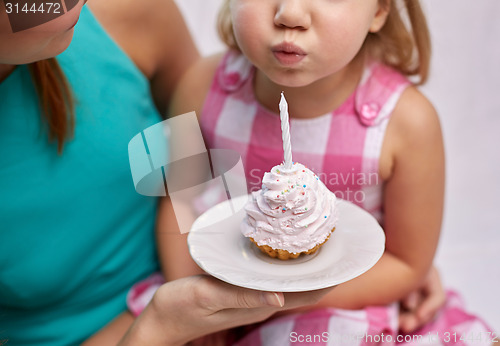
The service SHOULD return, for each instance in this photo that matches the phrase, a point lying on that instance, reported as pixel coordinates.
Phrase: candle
(285, 132)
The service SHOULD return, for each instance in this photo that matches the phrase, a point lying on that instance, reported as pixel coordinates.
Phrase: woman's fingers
(217, 295)
(298, 299)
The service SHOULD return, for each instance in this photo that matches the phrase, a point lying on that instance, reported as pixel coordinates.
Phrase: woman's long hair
(55, 99)
(405, 47)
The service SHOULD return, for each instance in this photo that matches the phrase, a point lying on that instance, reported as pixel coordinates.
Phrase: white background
(465, 89)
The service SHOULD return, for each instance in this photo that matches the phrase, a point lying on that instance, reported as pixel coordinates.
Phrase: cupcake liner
(285, 255)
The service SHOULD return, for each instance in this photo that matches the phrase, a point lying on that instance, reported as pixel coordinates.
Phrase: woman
(76, 235)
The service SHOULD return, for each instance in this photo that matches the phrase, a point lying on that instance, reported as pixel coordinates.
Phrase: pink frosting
(293, 211)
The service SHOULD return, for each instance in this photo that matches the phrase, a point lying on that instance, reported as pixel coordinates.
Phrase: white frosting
(293, 211)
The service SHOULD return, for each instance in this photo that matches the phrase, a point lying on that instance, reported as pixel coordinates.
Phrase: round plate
(218, 247)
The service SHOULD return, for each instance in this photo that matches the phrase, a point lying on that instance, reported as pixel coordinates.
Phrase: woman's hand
(185, 309)
(421, 305)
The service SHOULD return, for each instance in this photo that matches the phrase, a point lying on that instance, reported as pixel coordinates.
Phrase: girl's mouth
(288, 54)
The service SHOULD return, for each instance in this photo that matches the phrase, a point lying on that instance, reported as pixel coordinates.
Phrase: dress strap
(234, 71)
(378, 93)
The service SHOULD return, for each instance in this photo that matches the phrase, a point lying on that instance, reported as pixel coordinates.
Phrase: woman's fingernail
(273, 299)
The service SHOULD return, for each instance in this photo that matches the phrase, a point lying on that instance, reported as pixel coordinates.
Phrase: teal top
(74, 233)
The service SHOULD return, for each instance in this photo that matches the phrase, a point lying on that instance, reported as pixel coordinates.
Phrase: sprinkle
(277, 180)
(317, 178)
(303, 170)
(283, 210)
(307, 226)
(325, 216)
(303, 185)
(278, 196)
(278, 171)
(303, 193)
(306, 208)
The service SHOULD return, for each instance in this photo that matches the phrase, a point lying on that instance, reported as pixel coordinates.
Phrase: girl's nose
(292, 14)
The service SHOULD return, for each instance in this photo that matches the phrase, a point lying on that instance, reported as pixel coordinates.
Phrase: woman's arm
(188, 308)
(112, 332)
(412, 166)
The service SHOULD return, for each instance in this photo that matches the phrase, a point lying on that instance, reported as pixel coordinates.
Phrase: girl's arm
(412, 166)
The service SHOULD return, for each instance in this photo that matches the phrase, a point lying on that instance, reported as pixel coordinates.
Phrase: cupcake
(294, 213)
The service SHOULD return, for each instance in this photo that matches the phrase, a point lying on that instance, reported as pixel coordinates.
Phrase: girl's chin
(292, 82)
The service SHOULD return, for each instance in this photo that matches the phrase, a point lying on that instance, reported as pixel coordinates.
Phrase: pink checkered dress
(343, 148)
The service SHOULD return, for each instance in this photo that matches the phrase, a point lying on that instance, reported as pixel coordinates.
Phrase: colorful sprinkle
(306, 208)
(325, 216)
(303, 193)
(303, 186)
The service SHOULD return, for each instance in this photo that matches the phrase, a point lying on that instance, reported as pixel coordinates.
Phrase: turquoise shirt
(74, 234)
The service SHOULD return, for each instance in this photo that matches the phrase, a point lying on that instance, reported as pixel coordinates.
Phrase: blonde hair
(405, 47)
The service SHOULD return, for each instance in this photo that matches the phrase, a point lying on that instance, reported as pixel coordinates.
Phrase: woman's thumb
(273, 299)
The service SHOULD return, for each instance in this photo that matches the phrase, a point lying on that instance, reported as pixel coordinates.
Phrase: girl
(356, 120)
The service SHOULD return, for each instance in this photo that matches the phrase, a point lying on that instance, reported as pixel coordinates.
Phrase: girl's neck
(316, 99)
(5, 71)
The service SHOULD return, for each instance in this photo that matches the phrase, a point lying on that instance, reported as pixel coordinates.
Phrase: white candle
(285, 132)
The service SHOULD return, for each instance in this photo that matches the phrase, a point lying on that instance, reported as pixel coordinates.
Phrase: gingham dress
(343, 149)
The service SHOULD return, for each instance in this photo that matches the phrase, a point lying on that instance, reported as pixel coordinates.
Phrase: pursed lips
(288, 53)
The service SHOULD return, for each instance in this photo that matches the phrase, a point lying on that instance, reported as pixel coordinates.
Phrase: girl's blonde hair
(405, 47)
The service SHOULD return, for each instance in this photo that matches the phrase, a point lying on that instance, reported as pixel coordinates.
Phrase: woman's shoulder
(195, 85)
(154, 35)
(151, 32)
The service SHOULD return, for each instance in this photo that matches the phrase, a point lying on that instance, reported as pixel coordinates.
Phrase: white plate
(221, 250)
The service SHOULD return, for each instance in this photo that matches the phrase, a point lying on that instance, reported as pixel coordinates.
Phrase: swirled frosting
(293, 211)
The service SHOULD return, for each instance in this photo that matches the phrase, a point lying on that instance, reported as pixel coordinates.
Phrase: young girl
(356, 120)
